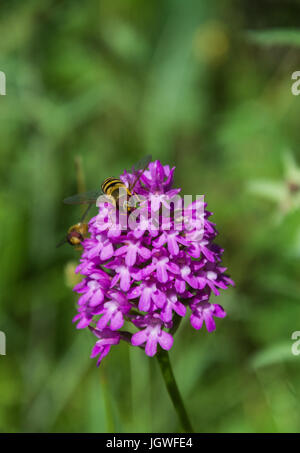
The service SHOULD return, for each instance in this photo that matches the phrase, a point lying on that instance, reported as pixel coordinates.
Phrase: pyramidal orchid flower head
(145, 267)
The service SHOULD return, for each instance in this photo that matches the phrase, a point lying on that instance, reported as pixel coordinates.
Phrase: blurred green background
(205, 86)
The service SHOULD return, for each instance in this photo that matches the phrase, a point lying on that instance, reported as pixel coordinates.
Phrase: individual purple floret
(152, 333)
(163, 264)
(107, 338)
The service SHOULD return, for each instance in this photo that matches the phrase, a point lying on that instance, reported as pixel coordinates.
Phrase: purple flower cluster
(163, 268)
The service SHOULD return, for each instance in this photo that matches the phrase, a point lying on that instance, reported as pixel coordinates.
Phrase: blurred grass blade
(275, 36)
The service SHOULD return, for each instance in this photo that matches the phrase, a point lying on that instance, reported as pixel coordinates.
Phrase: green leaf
(272, 355)
(270, 190)
(291, 169)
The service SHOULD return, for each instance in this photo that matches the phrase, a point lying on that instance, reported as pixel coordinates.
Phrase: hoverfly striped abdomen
(111, 184)
(116, 189)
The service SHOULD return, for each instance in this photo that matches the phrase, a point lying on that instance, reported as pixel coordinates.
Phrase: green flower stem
(176, 323)
(169, 378)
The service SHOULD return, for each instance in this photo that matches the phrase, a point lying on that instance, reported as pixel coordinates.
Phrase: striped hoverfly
(116, 192)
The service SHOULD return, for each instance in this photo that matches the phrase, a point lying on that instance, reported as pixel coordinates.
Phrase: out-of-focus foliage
(281, 36)
(195, 84)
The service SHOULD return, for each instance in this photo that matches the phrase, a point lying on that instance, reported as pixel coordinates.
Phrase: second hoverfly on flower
(116, 193)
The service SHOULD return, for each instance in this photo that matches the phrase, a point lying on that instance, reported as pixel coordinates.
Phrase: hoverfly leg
(62, 242)
(86, 212)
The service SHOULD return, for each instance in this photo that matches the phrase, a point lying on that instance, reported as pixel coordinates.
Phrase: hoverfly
(76, 234)
(116, 192)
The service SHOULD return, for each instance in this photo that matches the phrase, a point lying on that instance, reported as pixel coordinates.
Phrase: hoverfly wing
(139, 168)
(83, 198)
(143, 163)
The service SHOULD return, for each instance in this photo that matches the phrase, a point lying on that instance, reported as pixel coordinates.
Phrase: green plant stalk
(169, 378)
